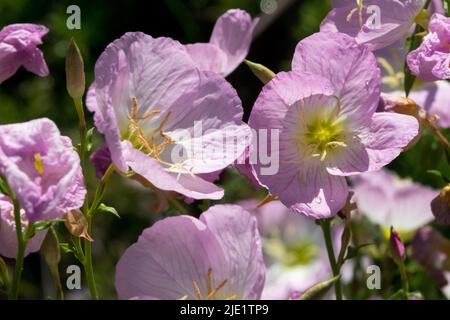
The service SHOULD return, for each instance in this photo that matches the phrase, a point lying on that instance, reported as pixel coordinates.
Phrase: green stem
(87, 263)
(21, 245)
(404, 277)
(83, 129)
(87, 255)
(56, 278)
(89, 213)
(325, 224)
(101, 188)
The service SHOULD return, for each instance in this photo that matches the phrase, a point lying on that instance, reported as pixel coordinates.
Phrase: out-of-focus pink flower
(294, 250)
(101, 159)
(8, 236)
(432, 97)
(215, 257)
(431, 249)
(376, 23)
(324, 113)
(228, 45)
(42, 169)
(388, 200)
(163, 118)
(18, 47)
(431, 61)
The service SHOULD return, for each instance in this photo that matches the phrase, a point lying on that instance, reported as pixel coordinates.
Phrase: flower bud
(405, 106)
(261, 72)
(77, 224)
(75, 71)
(440, 206)
(397, 247)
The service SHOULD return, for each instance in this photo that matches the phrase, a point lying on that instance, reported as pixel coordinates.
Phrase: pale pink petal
(233, 35)
(208, 57)
(237, 232)
(35, 63)
(386, 137)
(153, 171)
(351, 68)
(168, 258)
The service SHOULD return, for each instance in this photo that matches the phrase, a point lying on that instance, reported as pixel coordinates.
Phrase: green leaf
(353, 251)
(89, 138)
(409, 80)
(50, 248)
(439, 174)
(397, 296)
(4, 188)
(319, 290)
(106, 209)
(447, 155)
(4, 278)
(66, 248)
(261, 72)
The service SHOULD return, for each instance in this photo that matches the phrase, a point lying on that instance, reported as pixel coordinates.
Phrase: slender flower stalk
(404, 277)
(325, 224)
(20, 252)
(22, 241)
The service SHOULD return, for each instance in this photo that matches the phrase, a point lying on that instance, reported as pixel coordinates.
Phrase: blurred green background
(26, 96)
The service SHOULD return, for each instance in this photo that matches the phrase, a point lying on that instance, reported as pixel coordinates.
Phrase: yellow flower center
(324, 135)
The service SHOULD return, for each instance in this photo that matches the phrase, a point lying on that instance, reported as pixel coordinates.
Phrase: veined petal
(380, 24)
(237, 232)
(210, 132)
(208, 57)
(157, 175)
(232, 33)
(168, 258)
(321, 195)
(386, 136)
(351, 68)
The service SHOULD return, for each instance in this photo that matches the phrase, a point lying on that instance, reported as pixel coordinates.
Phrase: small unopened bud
(50, 248)
(440, 206)
(350, 207)
(75, 71)
(405, 106)
(423, 19)
(261, 72)
(397, 247)
(77, 224)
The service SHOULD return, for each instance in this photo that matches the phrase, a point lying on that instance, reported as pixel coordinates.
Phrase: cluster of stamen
(325, 134)
(359, 10)
(138, 136)
(211, 290)
(151, 146)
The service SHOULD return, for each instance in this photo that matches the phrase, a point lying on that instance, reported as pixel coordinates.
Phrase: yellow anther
(359, 8)
(38, 163)
(211, 291)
